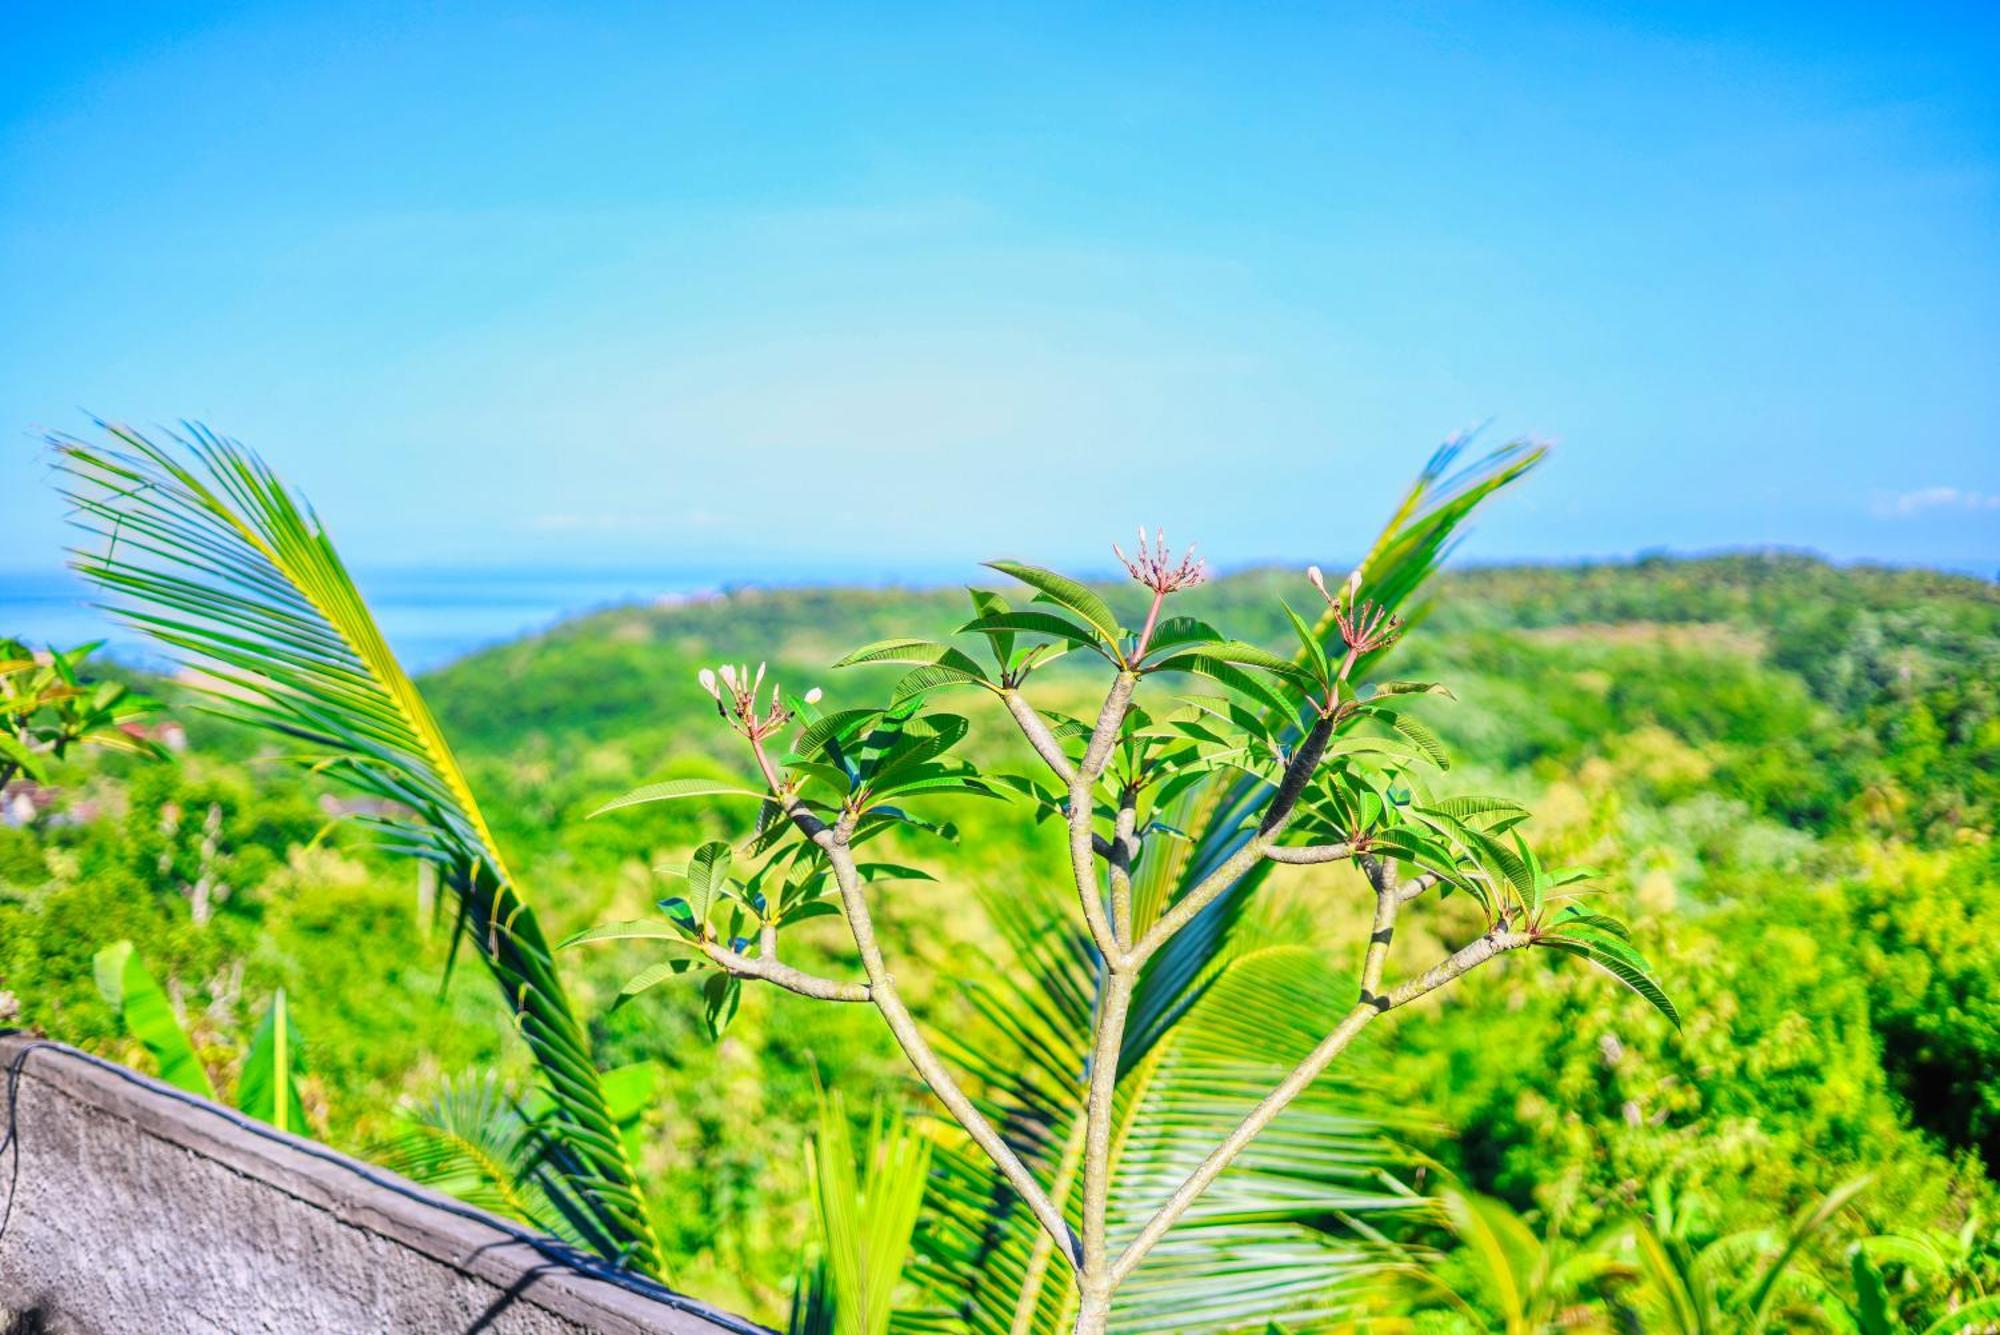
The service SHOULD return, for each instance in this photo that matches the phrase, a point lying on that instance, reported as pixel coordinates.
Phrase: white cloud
(1916, 502)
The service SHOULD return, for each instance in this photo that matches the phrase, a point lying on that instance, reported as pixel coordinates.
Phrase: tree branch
(1036, 729)
(882, 992)
(1301, 1077)
(769, 970)
(1382, 875)
(1381, 933)
(1083, 781)
(1120, 854)
(1310, 855)
(1416, 885)
(1456, 965)
(1114, 1000)
(1291, 785)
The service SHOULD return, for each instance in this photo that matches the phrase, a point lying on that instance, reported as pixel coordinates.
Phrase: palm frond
(867, 1202)
(472, 1141)
(1271, 1240)
(206, 550)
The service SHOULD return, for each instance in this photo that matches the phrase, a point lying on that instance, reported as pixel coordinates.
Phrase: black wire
(551, 1248)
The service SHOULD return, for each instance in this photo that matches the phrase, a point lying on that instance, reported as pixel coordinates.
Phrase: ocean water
(429, 616)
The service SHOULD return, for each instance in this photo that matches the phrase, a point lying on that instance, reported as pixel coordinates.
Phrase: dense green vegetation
(1786, 772)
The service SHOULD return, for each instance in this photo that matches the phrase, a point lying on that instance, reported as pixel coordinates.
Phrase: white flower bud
(729, 676)
(707, 679)
(812, 696)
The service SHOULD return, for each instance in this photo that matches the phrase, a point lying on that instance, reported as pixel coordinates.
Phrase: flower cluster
(735, 699)
(1364, 626)
(1157, 570)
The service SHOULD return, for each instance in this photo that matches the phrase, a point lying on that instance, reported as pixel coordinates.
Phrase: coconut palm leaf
(867, 1203)
(1273, 1239)
(206, 550)
(472, 1140)
(1269, 1241)
(1732, 1283)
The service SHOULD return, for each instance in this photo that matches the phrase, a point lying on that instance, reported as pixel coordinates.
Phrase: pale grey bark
(768, 969)
(882, 992)
(1454, 966)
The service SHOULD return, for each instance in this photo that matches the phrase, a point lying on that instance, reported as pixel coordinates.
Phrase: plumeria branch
(1036, 729)
(1309, 855)
(1106, 897)
(766, 969)
(832, 840)
(1277, 816)
(1458, 964)
(1082, 785)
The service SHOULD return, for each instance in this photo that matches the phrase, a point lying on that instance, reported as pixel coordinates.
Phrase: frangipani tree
(1314, 770)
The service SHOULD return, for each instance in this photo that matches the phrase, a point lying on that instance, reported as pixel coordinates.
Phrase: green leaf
(1871, 1296)
(1975, 1318)
(651, 977)
(891, 871)
(814, 908)
(1423, 738)
(1235, 678)
(1410, 688)
(1469, 808)
(1576, 934)
(1249, 655)
(29, 762)
(986, 603)
(947, 784)
(708, 875)
(720, 996)
(149, 1017)
(919, 682)
(1032, 623)
(922, 652)
(1065, 592)
(268, 1088)
(648, 929)
(674, 790)
(837, 728)
(1182, 630)
(1310, 644)
(867, 1203)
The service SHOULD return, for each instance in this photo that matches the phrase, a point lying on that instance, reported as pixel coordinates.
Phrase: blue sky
(883, 290)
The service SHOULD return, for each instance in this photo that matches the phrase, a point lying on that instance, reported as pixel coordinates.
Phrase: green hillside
(1786, 771)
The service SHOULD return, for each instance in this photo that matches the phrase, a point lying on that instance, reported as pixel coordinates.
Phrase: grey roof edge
(547, 1273)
